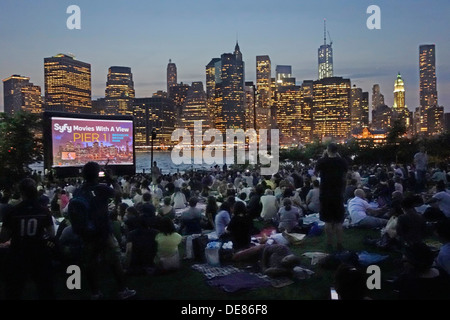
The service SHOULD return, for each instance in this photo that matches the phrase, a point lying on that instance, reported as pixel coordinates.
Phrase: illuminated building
(250, 105)
(213, 73)
(377, 97)
(178, 94)
(359, 108)
(367, 137)
(428, 87)
(19, 94)
(157, 113)
(288, 102)
(400, 109)
(228, 88)
(382, 118)
(67, 84)
(263, 76)
(283, 75)
(435, 117)
(447, 122)
(194, 107)
(331, 109)
(119, 93)
(264, 91)
(171, 75)
(325, 57)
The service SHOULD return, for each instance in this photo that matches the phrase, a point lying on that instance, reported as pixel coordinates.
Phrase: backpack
(81, 212)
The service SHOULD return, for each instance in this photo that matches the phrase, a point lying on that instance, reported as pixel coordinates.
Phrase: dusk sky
(144, 35)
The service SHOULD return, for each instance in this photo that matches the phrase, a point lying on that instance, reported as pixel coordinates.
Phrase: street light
(151, 150)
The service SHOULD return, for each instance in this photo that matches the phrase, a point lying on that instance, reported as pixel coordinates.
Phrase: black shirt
(332, 175)
(27, 222)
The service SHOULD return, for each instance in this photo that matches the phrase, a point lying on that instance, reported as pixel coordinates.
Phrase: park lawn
(188, 284)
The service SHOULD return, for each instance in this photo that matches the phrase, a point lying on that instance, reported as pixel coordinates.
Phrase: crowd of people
(141, 220)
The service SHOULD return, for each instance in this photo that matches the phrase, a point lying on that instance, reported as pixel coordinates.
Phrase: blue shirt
(221, 221)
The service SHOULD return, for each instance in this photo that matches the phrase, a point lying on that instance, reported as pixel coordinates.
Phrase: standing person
(103, 241)
(156, 172)
(332, 169)
(28, 226)
(421, 163)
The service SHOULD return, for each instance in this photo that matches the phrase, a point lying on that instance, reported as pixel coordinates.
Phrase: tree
(397, 131)
(20, 145)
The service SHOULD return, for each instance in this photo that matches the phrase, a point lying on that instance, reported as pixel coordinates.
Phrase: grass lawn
(188, 284)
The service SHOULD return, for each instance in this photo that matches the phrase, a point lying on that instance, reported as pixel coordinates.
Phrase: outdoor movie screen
(76, 141)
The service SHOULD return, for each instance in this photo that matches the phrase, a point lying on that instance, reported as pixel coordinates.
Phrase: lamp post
(151, 150)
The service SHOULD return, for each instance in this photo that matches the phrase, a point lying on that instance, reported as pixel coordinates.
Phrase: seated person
(441, 199)
(362, 215)
(190, 219)
(178, 199)
(166, 209)
(350, 283)
(443, 258)
(222, 219)
(312, 198)
(419, 280)
(411, 226)
(269, 205)
(288, 216)
(141, 248)
(240, 227)
(168, 240)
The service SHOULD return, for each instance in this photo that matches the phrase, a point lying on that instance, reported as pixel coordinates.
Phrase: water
(143, 161)
(164, 162)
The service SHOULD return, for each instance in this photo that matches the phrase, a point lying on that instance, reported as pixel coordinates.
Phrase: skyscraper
(400, 109)
(21, 95)
(288, 102)
(119, 93)
(325, 57)
(228, 86)
(213, 74)
(251, 107)
(171, 75)
(359, 108)
(67, 84)
(194, 108)
(154, 113)
(428, 86)
(382, 118)
(283, 75)
(331, 109)
(263, 76)
(377, 97)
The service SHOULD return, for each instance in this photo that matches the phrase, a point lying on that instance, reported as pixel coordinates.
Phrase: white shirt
(443, 198)
(357, 208)
(398, 187)
(269, 207)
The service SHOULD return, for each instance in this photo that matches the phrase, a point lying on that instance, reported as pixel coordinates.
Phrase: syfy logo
(65, 127)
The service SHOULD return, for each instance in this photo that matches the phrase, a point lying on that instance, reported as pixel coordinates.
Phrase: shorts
(332, 209)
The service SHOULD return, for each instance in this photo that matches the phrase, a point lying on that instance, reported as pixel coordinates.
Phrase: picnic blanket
(240, 281)
(211, 272)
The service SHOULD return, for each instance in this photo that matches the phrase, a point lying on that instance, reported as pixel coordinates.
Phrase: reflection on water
(164, 162)
(143, 160)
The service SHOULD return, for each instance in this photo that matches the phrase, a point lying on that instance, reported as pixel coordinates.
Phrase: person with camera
(101, 242)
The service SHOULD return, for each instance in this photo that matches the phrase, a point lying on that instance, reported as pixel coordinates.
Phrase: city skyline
(365, 56)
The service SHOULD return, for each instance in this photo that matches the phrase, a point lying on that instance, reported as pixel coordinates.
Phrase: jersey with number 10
(27, 222)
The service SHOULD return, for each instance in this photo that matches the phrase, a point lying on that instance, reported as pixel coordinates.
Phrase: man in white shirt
(442, 198)
(362, 215)
(269, 205)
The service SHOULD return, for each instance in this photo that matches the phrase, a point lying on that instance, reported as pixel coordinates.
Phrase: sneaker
(125, 294)
(97, 296)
